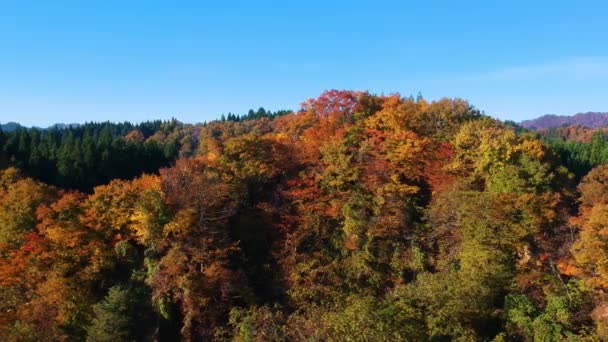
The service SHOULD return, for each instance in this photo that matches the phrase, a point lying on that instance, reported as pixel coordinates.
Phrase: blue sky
(76, 61)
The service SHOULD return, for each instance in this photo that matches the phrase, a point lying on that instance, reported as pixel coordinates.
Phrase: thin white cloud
(582, 68)
(576, 68)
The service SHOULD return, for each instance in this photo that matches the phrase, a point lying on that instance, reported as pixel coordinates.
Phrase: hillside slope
(357, 218)
(588, 120)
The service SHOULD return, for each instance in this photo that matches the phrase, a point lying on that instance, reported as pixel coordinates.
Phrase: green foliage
(257, 324)
(554, 322)
(120, 316)
(452, 305)
(578, 156)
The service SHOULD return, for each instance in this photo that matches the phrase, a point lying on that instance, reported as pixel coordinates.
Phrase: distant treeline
(84, 156)
(254, 115)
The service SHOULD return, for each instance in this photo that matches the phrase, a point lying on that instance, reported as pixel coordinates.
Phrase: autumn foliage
(358, 218)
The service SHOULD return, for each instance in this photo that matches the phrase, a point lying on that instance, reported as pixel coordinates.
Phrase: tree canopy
(357, 218)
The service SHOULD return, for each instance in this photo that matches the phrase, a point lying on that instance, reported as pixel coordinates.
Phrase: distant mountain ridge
(587, 120)
(12, 126)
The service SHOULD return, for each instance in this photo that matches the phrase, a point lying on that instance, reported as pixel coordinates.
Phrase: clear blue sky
(76, 61)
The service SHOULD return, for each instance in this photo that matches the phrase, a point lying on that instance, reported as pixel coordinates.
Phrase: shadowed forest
(356, 218)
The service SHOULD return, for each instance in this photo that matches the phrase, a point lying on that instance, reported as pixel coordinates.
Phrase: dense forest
(357, 218)
(84, 156)
(80, 157)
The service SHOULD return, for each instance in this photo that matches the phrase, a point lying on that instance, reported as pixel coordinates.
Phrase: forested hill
(587, 120)
(83, 156)
(10, 126)
(75, 156)
(358, 218)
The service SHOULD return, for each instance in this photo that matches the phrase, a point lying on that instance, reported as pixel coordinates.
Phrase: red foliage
(335, 103)
(439, 179)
